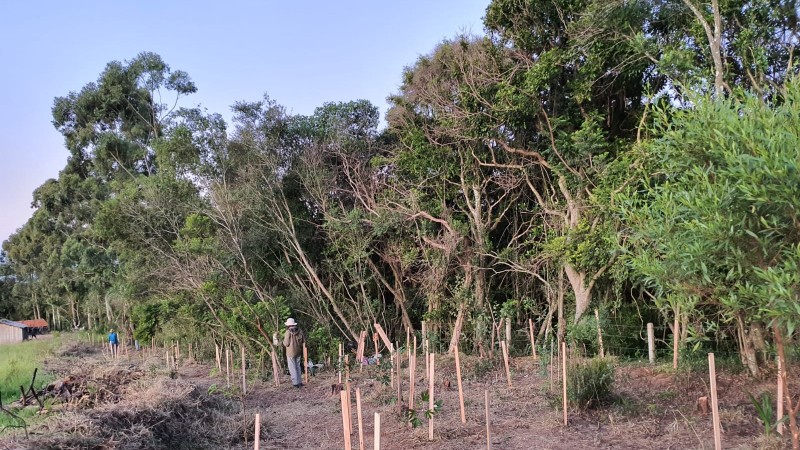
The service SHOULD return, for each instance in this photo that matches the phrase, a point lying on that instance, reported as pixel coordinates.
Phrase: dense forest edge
(634, 158)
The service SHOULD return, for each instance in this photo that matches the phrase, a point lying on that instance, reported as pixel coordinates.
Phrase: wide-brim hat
(290, 322)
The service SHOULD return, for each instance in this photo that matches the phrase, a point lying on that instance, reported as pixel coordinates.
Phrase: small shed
(37, 326)
(11, 331)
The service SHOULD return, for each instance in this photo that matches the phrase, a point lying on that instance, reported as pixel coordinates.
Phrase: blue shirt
(112, 338)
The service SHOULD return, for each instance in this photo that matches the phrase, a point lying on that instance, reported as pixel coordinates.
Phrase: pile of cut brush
(93, 388)
(122, 407)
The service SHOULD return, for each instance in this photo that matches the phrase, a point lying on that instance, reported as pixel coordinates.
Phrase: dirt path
(193, 409)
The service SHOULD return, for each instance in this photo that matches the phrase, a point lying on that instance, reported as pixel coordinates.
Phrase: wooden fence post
(564, 379)
(488, 428)
(305, 362)
(377, 433)
(345, 421)
(676, 338)
(504, 348)
(360, 420)
(779, 406)
(257, 437)
(244, 373)
(712, 373)
(599, 333)
(651, 344)
(431, 384)
(533, 338)
(460, 388)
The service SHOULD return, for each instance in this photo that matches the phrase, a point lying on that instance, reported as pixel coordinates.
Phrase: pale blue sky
(303, 53)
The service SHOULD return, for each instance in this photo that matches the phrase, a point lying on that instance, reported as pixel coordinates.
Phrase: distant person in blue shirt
(113, 343)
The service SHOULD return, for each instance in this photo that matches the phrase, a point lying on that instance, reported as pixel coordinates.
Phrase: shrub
(589, 382)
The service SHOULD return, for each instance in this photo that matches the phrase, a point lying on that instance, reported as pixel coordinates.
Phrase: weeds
(765, 412)
(589, 382)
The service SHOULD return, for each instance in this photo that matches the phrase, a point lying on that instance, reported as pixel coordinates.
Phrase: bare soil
(195, 408)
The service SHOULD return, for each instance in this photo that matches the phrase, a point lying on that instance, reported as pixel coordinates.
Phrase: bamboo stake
(533, 338)
(599, 333)
(360, 420)
(219, 362)
(305, 362)
(712, 373)
(508, 331)
(431, 384)
(460, 388)
(780, 399)
(257, 437)
(564, 379)
(488, 428)
(340, 363)
(345, 421)
(651, 344)
(377, 433)
(244, 373)
(505, 361)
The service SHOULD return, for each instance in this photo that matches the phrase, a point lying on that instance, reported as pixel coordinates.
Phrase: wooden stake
(377, 433)
(425, 348)
(219, 362)
(244, 373)
(712, 373)
(675, 339)
(779, 408)
(651, 344)
(564, 379)
(505, 361)
(412, 369)
(257, 438)
(599, 333)
(533, 338)
(551, 364)
(345, 421)
(460, 388)
(305, 362)
(340, 363)
(349, 405)
(384, 337)
(228, 366)
(276, 370)
(431, 403)
(488, 427)
(491, 348)
(508, 332)
(360, 420)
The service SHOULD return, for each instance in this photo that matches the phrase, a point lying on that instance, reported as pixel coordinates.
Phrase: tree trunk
(583, 292)
(746, 347)
(791, 409)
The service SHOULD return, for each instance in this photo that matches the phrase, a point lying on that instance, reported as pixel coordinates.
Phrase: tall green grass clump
(17, 362)
(590, 382)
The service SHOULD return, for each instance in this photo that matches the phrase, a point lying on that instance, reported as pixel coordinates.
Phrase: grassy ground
(17, 362)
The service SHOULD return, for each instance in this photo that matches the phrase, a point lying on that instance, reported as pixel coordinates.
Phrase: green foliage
(17, 363)
(590, 382)
(764, 406)
(717, 225)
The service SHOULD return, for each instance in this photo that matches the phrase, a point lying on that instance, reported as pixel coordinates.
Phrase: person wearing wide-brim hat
(293, 341)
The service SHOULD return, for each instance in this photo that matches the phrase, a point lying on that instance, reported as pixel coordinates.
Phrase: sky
(302, 53)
